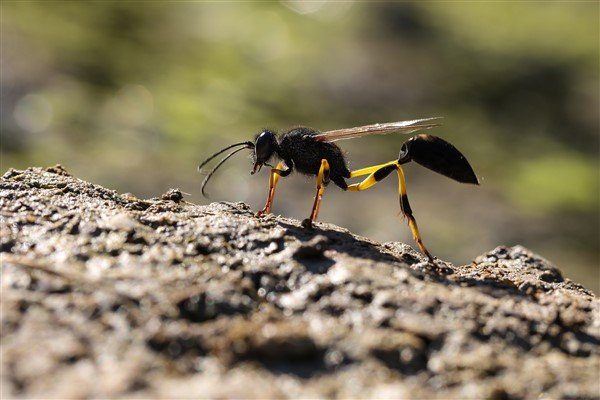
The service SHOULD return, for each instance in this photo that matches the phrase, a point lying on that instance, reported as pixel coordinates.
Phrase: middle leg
(322, 181)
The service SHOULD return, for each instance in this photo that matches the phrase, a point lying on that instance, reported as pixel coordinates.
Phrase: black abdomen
(300, 146)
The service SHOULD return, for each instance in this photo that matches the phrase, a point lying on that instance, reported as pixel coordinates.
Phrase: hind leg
(406, 210)
(380, 172)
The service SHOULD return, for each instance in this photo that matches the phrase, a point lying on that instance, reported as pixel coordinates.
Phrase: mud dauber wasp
(312, 152)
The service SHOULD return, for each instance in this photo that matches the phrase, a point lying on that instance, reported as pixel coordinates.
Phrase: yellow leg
(273, 179)
(369, 170)
(364, 185)
(376, 174)
(406, 210)
(322, 181)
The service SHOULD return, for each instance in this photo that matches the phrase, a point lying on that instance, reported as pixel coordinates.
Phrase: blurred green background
(132, 95)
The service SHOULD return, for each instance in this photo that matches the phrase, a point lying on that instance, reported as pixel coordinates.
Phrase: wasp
(314, 153)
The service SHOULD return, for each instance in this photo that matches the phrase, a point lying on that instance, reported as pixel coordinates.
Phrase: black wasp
(312, 152)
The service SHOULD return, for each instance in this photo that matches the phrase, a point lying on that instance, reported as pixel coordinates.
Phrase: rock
(108, 295)
(174, 195)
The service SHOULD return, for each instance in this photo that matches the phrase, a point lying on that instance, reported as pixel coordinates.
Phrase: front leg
(322, 181)
(273, 179)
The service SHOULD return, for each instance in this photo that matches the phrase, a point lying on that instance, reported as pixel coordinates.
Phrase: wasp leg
(406, 210)
(376, 174)
(322, 181)
(369, 170)
(380, 172)
(273, 179)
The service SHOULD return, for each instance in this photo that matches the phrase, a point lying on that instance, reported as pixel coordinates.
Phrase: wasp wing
(405, 127)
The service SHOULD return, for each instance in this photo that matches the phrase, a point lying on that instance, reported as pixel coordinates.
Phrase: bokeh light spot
(33, 113)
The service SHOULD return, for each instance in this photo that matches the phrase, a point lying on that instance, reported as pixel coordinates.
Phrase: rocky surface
(105, 294)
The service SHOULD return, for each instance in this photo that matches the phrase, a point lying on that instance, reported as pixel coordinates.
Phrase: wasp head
(265, 146)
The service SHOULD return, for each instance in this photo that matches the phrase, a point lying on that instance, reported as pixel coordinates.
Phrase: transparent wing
(378, 129)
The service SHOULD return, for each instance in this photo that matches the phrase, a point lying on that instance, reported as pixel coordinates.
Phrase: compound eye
(263, 146)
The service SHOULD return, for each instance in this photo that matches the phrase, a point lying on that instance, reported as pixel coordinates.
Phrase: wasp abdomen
(438, 155)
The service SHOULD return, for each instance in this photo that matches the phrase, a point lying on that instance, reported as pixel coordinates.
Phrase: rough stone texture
(109, 295)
